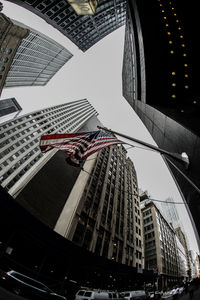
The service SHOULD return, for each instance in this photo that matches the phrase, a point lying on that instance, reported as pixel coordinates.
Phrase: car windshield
(81, 293)
(87, 294)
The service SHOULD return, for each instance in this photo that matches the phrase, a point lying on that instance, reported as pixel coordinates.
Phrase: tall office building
(37, 57)
(170, 212)
(161, 250)
(102, 212)
(9, 109)
(160, 82)
(10, 38)
(182, 238)
(85, 30)
(182, 260)
(20, 155)
(195, 265)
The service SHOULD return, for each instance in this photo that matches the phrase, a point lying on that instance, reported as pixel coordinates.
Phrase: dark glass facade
(9, 108)
(165, 54)
(165, 60)
(85, 30)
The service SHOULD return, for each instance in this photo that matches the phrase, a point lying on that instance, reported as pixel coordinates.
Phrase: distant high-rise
(9, 109)
(20, 155)
(33, 59)
(182, 238)
(169, 212)
(85, 30)
(162, 253)
(182, 259)
(194, 262)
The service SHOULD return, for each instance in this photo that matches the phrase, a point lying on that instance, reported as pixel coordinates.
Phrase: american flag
(78, 146)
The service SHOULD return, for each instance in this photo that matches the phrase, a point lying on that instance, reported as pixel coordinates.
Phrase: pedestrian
(186, 287)
(191, 290)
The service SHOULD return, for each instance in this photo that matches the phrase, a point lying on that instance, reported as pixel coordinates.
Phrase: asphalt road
(6, 295)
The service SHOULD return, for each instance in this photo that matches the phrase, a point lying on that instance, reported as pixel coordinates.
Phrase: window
(88, 294)
(81, 293)
(4, 59)
(8, 51)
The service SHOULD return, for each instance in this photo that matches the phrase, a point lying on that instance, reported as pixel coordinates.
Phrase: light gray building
(27, 57)
(170, 212)
(20, 155)
(37, 60)
(161, 251)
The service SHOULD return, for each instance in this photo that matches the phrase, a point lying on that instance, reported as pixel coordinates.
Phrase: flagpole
(179, 157)
(176, 156)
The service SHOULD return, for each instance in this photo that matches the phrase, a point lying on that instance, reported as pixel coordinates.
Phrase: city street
(6, 295)
(196, 296)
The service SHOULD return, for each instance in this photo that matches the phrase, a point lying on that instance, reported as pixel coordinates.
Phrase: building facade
(37, 57)
(9, 109)
(170, 212)
(194, 263)
(11, 37)
(161, 250)
(85, 30)
(160, 58)
(20, 156)
(182, 238)
(102, 212)
(182, 259)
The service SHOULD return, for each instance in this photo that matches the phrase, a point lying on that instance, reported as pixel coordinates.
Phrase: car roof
(15, 272)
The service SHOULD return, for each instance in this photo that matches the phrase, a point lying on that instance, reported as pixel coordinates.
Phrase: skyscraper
(85, 30)
(161, 250)
(11, 37)
(20, 156)
(35, 57)
(102, 212)
(160, 82)
(169, 212)
(182, 238)
(9, 109)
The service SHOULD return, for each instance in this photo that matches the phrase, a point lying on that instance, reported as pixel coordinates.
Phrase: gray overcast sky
(96, 75)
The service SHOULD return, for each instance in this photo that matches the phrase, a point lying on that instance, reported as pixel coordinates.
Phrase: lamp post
(182, 158)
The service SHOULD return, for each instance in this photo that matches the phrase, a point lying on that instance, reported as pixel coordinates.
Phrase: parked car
(96, 294)
(23, 285)
(136, 295)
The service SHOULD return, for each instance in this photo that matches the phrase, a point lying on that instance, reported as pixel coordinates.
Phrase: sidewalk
(196, 296)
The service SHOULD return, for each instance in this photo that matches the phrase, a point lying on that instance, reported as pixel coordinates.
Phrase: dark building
(34, 249)
(160, 82)
(85, 30)
(9, 109)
